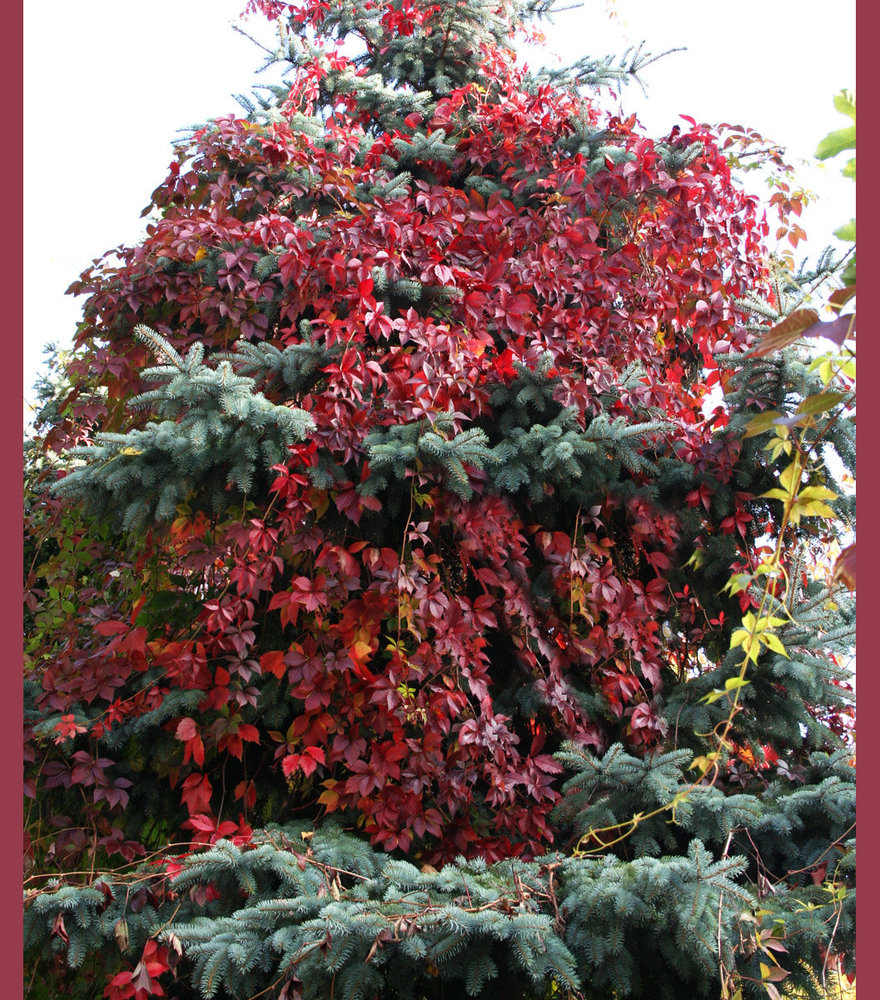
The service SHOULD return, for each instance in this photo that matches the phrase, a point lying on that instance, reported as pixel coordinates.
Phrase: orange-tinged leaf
(247, 790)
(840, 297)
(360, 651)
(786, 332)
(329, 799)
(845, 567)
(273, 663)
(477, 200)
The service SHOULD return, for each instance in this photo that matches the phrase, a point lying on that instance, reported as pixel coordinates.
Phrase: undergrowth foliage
(380, 633)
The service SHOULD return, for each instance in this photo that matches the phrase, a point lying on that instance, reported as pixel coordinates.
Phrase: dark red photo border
(868, 683)
(11, 395)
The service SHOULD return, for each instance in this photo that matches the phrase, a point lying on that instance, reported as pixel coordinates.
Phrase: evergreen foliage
(388, 636)
(214, 422)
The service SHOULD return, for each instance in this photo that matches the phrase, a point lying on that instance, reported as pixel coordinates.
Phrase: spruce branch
(217, 431)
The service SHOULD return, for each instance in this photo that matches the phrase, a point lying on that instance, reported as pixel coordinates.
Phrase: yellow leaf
(777, 446)
(739, 637)
(776, 495)
(790, 477)
(704, 763)
(768, 621)
(735, 683)
(773, 641)
(329, 799)
(810, 509)
(752, 649)
(816, 493)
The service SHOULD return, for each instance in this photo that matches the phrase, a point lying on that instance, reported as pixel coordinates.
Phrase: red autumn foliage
(407, 659)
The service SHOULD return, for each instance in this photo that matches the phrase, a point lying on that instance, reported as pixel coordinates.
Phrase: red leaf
(58, 927)
(196, 793)
(111, 628)
(186, 729)
(273, 663)
(838, 330)
(188, 733)
(247, 790)
(202, 821)
(289, 764)
(307, 761)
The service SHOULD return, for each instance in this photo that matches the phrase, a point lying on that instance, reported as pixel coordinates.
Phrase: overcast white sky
(108, 84)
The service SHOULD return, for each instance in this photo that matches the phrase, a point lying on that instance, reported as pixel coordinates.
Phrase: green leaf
(713, 696)
(845, 103)
(836, 142)
(820, 403)
(738, 582)
(761, 424)
(847, 232)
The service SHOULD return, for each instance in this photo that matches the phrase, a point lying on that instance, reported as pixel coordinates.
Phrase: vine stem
(713, 761)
